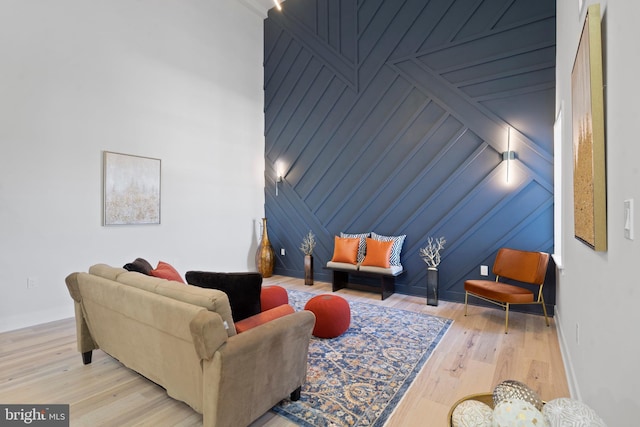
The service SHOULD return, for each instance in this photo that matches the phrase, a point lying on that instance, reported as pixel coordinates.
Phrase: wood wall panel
(392, 115)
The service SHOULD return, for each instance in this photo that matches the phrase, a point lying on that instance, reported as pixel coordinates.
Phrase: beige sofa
(183, 338)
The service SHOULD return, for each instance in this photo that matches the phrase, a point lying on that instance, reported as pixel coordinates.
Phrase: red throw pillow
(346, 250)
(378, 253)
(166, 271)
(273, 296)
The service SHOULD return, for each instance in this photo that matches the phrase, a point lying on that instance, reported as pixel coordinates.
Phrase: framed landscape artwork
(131, 189)
(589, 174)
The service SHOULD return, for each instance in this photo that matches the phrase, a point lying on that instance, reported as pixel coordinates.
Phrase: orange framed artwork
(589, 167)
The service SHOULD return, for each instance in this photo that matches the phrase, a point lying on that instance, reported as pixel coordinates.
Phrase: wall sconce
(278, 179)
(278, 175)
(277, 4)
(508, 155)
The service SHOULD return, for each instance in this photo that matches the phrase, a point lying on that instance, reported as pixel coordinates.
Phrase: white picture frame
(131, 189)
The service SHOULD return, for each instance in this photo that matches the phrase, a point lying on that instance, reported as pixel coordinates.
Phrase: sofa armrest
(243, 289)
(84, 340)
(208, 333)
(72, 285)
(256, 369)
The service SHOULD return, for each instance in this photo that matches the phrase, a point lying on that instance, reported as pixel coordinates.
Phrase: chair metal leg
(544, 309)
(506, 320)
(466, 295)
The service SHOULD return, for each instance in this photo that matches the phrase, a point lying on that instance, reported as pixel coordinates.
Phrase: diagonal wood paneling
(391, 116)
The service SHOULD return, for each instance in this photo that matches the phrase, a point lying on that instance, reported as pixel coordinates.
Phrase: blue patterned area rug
(358, 378)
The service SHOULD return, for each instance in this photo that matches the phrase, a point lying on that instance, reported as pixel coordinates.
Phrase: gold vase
(308, 270)
(264, 256)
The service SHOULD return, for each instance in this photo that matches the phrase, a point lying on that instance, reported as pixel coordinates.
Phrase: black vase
(308, 270)
(432, 286)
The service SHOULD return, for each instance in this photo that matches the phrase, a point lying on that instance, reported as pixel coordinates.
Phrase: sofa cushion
(111, 297)
(342, 265)
(140, 265)
(106, 271)
(393, 270)
(166, 271)
(211, 299)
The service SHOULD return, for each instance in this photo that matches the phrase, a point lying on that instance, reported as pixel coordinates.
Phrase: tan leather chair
(522, 266)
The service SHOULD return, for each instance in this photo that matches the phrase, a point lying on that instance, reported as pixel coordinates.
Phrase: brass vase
(308, 270)
(265, 256)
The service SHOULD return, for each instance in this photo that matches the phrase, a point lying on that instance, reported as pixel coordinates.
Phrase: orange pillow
(346, 250)
(264, 317)
(166, 271)
(378, 253)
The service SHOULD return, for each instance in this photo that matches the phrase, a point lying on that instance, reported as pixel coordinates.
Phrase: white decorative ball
(472, 413)
(512, 390)
(517, 413)
(569, 412)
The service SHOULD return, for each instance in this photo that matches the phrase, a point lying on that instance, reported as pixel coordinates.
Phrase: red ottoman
(273, 296)
(333, 315)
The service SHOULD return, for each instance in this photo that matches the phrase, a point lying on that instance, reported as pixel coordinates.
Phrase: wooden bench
(341, 279)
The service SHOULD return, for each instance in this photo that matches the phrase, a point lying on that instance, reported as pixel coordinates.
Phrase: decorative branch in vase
(431, 253)
(431, 256)
(307, 246)
(308, 243)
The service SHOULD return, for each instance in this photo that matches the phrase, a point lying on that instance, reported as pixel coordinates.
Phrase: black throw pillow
(140, 265)
(243, 290)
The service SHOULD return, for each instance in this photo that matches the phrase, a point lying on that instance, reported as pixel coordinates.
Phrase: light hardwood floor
(41, 365)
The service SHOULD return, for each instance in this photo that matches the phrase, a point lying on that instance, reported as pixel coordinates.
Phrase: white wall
(175, 80)
(599, 291)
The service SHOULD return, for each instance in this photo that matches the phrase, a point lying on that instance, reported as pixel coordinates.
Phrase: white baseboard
(574, 390)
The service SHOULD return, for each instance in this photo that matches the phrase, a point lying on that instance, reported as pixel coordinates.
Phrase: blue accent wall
(392, 116)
